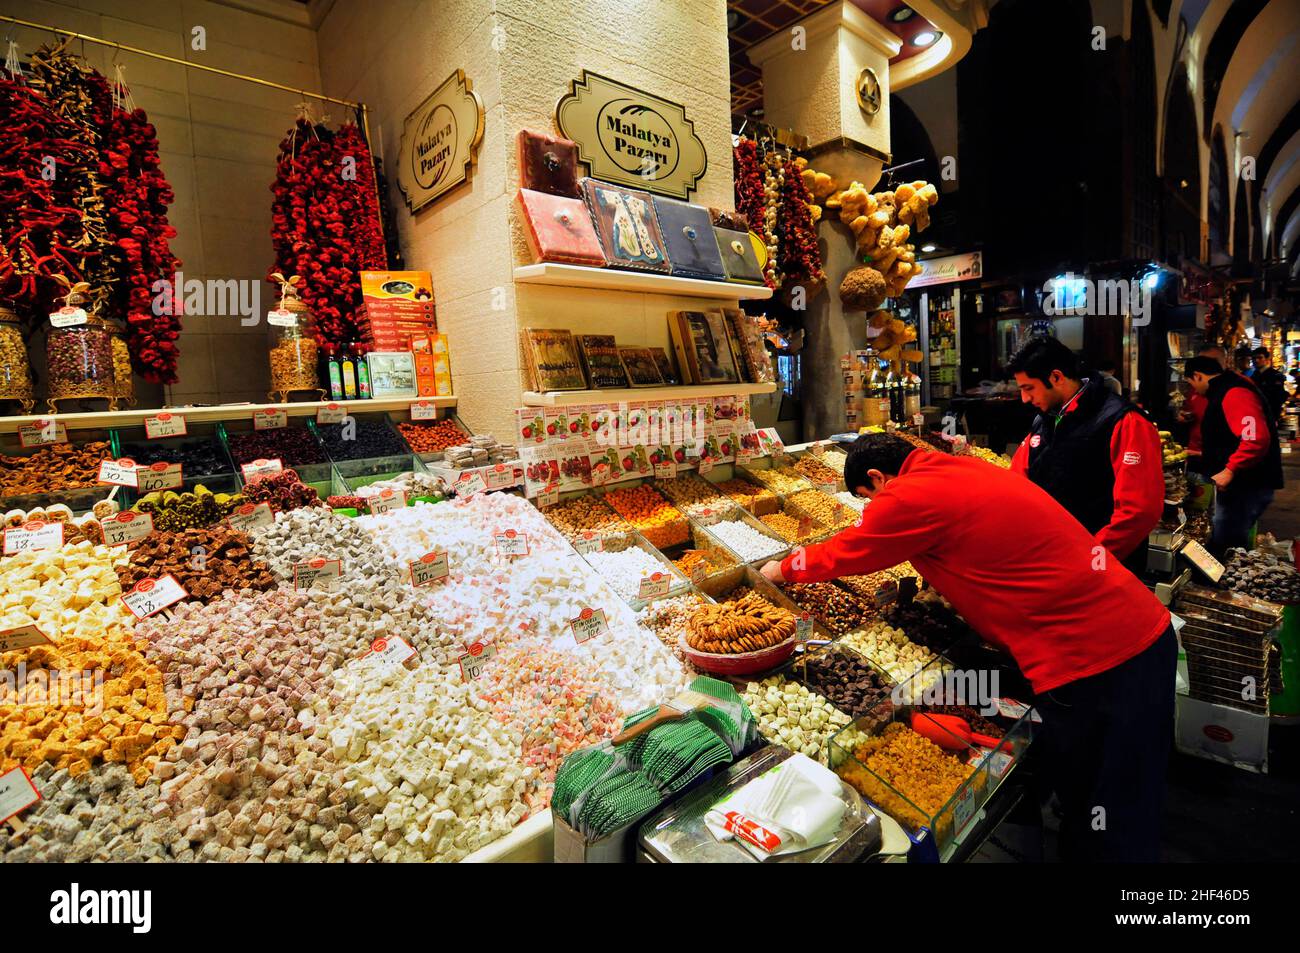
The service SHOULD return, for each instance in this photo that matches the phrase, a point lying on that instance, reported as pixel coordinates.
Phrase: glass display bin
(67, 472)
(201, 453)
(79, 359)
(676, 583)
(757, 471)
(631, 495)
(356, 474)
(15, 367)
(421, 433)
(706, 526)
(692, 493)
(295, 445)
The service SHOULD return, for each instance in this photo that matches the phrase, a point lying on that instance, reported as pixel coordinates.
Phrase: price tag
(803, 627)
(548, 497)
(386, 501)
(959, 443)
(999, 761)
(126, 527)
(590, 624)
(68, 316)
(1010, 708)
(318, 573)
(331, 414)
(260, 469)
(164, 425)
(699, 571)
(500, 476)
(654, 586)
(708, 517)
(118, 472)
(281, 318)
(589, 542)
(23, 637)
(393, 650)
(830, 489)
(17, 793)
(251, 516)
(42, 432)
(153, 595)
(512, 543)
(1200, 557)
(964, 808)
(475, 660)
(32, 536)
(470, 482)
(805, 526)
(665, 469)
(424, 410)
(429, 568)
(918, 420)
(706, 464)
(270, 419)
(158, 476)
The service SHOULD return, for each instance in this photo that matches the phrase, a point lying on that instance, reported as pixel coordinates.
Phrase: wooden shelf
(96, 420)
(567, 398)
(612, 279)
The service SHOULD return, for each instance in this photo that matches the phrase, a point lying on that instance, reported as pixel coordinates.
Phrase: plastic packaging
(123, 380)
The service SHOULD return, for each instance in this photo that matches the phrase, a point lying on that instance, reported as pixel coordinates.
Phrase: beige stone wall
(218, 139)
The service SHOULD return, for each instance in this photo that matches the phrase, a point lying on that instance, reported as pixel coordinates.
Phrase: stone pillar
(813, 74)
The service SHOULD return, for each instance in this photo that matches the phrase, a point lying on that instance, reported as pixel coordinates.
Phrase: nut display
(206, 562)
(669, 619)
(844, 679)
(363, 439)
(794, 529)
(656, 519)
(1261, 575)
(811, 467)
(792, 715)
(756, 499)
(586, 514)
(706, 561)
(852, 500)
(749, 624)
(830, 605)
(868, 588)
(988, 456)
(53, 467)
(693, 494)
(15, 368)
(293, 365)
(745, 541)
(824, 509)
(173, 511)
(292, 446)
(123, 379)
(432, 437)
(780, 480)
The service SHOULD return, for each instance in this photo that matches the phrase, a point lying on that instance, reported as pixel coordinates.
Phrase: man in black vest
(1090, 449)
(1270, 382)
(1239, 450)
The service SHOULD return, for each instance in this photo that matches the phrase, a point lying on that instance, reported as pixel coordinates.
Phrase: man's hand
(772, 572)
(1222, 478)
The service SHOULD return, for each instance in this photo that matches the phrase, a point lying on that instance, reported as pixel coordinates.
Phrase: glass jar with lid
(293, 350)
(78, 353)
(123, 379)
(15, 368)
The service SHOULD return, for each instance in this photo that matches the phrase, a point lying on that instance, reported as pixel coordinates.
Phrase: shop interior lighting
(926, 38)
(928, 247)
(902, 14)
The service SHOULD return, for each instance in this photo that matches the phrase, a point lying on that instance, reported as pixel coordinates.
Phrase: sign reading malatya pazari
(440, 141)
(632, 138)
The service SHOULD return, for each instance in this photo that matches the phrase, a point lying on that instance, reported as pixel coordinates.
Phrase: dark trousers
(1235, 512)
(1106, 741)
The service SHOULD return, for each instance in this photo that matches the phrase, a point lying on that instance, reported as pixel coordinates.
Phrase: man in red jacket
(1096, 646)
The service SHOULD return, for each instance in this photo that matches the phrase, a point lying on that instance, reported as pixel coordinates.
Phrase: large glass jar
(80, 362)
(15, 369)
(123, 381)
(293, 350)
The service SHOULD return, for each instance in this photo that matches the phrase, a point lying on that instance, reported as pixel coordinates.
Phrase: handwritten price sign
(251, 516)
(164, 425)
(317, 573)
(126, 527)
(429, 568)
(512, 543)
(153, 595)
(158, 476)
(32, 536)
(590, 624)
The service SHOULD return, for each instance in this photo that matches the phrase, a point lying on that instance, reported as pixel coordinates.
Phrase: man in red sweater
(1096, 646)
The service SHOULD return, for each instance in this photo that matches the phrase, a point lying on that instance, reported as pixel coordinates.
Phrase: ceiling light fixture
(927, 248)
(926, 38)
(902, 14)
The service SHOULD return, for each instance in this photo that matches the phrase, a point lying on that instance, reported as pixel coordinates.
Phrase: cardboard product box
(1224, 734)
(426, 381)
(572, 847)
(442, 365)
(394, 287)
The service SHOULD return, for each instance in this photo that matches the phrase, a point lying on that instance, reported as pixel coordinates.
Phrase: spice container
(78, 352)
(293, 350)
(15, 369)
(123, 380)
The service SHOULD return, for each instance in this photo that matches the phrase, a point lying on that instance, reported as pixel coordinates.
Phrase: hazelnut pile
(586, 514)
(52, 467)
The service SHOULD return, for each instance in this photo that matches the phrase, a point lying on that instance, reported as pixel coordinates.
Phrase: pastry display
(748, 624)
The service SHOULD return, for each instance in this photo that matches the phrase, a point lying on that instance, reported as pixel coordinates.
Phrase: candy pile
(624, 569)
(902, 658)
(432, 437)
(657, 520)
(756, 499)
(283, 491)
(198, 458)
(703, 563)
(1261, 575)
(845, 498)
(669, 619)
(790, 714)
(298, 536)
(848, 682)
(360, 440)
(745, 541)
(206, 562)
(692, 494)
(172, 511)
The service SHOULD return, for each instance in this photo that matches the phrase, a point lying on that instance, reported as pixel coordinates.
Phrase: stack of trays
(1227, 638)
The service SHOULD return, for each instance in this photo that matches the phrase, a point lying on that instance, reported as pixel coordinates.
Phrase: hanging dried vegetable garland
(800, 263)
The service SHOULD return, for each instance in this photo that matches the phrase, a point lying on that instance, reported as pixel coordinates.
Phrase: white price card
(473, 662)
(999, 762)
(385, 501)
(282, 318)
(654, 586)
(33, 535)
(589, 542)
(429, 568)
(260, 469)
(318, 573)
(830, 489)
(391, 650)
(470, 482)
(706, 464)
(68, 316)
(590, 624)
(918, 420)
(23, 637)
(964, 809)
(424, 410)
(548, 497)
(164, 425)
(959, 443)
(17, 793)
(500, 476)
(1010, 708)
(153, 595)
(665, 469)
(273, 418)
(708, 516)
(331, 414)
(803, 627)
(251, 516)
(158, 476)
(511, 543)
(118, 472)
(126, 527)
(42, 432)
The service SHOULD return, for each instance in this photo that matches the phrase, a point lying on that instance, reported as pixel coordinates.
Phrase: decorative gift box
(738, 256)
(560, 229)
(626, 225)
(548, 164)
(688, 234)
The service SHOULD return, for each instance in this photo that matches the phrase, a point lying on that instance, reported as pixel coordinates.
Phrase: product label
(318, 573)
(654, 586)
(599, 474)
(23, 637)
(153, 595)
(281, 318)
(589, 542)
(830, 489)
(918, 420)
(706, 464)
(1010, 708)
(511, 543)
(68, 316)
(42, 432)
(270, 419)
(473, 662)
(250, 516)
(386, 501)
(470, 482)
(126, 527)
(770, 441)
(118, 472)
(164, 425)
(963, 810)
(389, 650)
(424, 410)
(500, 476)
(17, 793)
(429, 568)
(32, 536)
(699, 573)
(260, 469)
(331, 414)
(803, 627)
(1200, 557)
(547, 498)
(708, 516)
(999, 761)
(665, 469)
(590, 624)
(158, 476)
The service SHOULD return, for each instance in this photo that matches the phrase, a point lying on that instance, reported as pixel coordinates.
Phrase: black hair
(1039, 357)
(874, 451)
(1203, 365)
(1260, 352)
(1106, 366)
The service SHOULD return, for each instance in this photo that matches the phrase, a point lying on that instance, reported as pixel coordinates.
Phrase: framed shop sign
(440, 141)
(632, 138)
